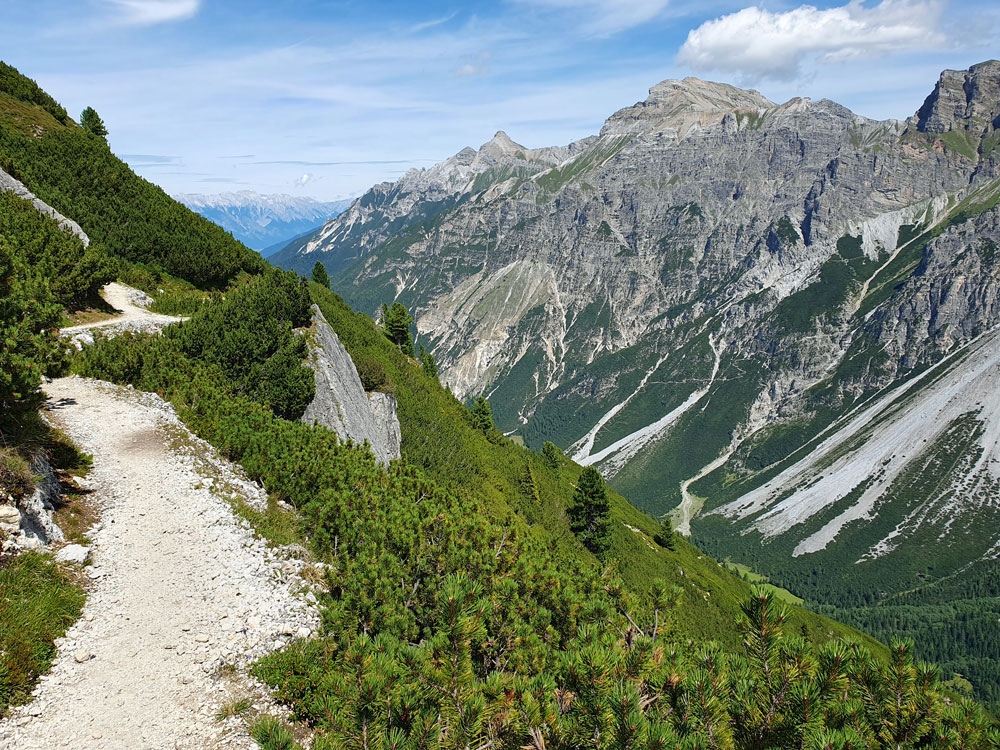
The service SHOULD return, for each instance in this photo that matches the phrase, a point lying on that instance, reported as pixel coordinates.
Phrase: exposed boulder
(341, 403)
(73, 553)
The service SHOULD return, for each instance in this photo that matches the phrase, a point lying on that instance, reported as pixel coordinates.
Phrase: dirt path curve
(180, 588)
(131, 317)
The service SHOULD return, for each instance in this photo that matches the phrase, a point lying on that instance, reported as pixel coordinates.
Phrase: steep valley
(749, 316)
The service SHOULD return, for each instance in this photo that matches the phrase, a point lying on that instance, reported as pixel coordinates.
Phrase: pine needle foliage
(590, 514)
(319, 275)
(42, 270)
(396, 321)
(92, 123)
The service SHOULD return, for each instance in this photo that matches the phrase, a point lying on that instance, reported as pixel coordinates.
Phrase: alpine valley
(776, 324)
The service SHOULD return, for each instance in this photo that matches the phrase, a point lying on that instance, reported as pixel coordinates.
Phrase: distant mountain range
(264, 222)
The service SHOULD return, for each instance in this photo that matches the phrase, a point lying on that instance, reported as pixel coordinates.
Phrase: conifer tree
(551, 454)
(429, 363)
(665, 535)
(529, 486)
(482, 414)
(396, 320)
(320, 276)
(92, 122)
(28, 343)
(590, 514)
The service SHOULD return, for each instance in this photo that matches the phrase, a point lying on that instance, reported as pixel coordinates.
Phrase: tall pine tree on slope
(590, 514)
(320, 276)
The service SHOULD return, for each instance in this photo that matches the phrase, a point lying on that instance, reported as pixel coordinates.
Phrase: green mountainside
(461, 610)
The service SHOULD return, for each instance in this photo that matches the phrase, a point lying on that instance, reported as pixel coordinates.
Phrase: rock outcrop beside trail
(10, 185)
(341, 403)
(27, 523)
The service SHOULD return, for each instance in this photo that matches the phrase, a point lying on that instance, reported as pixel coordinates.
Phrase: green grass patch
(278, 526)
(38, 603)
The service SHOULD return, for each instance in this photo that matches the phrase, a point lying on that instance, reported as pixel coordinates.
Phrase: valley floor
(182, 597)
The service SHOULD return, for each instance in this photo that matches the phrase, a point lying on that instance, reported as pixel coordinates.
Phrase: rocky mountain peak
(679, 105)
(503, 142)
(499, 148)
(963, 100)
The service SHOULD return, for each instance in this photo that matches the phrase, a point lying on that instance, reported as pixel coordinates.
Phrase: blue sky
(326, 97)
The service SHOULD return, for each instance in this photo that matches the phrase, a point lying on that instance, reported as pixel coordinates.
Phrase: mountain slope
(458, 607)
(75, 173)
(690, 297)
(260, 221)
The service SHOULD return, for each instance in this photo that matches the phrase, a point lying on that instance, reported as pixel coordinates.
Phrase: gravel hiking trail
(131, 316)
(182, 596)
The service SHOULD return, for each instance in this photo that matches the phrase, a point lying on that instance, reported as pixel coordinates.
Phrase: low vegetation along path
(182, 597)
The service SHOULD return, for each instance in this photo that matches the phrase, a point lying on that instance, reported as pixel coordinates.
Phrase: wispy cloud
(756, 43)
(149, 12)
(424, 25)
(150, 160)
(301, 163)
(604, 17)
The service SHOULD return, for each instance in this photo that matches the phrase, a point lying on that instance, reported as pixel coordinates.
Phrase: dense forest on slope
(460, 610)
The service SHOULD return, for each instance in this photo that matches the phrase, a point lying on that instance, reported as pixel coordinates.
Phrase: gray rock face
(963, 100)
(9, 184)
(341, 403)
(707, 236)
(384, 408)
(953, 297)
(29, 523)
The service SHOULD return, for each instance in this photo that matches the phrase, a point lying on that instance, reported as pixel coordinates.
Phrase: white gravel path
(131, 317)
(180, 587)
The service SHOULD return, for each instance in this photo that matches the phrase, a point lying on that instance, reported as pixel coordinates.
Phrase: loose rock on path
(181, 587)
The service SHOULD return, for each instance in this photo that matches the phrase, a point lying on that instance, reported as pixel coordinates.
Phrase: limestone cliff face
(952, 297)
(341, 403)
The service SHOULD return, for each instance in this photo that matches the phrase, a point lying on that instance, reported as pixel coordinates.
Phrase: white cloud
(304, 180)
(757, 43)
(604, 17)
(423, 26)
(148, 12)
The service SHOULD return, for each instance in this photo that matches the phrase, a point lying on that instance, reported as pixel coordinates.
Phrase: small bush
(373, 375)
(271, 734)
